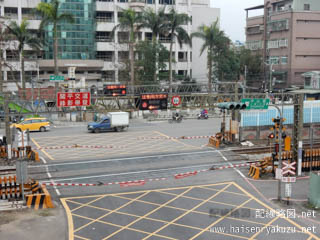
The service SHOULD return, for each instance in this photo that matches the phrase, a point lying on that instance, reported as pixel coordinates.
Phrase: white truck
(113, 121)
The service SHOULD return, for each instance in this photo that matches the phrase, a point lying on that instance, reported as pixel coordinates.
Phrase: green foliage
(226, 65)
(253, 61)
(149, 63)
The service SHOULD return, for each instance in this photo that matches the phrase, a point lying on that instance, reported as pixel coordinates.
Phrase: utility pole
(244, 81)
(234, 114)
(7, 124)
(270, 80)
(297, 131)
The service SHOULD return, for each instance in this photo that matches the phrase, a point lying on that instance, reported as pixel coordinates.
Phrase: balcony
(137, 3)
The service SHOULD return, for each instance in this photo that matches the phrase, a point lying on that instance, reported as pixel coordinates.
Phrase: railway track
(269, 149)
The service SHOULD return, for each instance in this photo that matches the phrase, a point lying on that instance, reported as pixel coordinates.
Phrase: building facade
(88, 44)
(288, 37)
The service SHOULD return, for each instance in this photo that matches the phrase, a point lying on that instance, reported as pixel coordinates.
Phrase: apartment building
(89, 46)
(288, 37)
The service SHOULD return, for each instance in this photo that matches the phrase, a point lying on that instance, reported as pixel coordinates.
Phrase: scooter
(176, 119)
(203, 116)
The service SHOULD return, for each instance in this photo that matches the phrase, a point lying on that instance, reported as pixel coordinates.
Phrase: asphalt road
(154, 182)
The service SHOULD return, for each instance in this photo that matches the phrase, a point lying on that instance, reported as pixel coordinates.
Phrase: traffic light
(271, 136)
(232, 106)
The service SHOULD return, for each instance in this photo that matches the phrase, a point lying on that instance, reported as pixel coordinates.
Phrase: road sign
(289, 179)
(56, 78)
(256, 103)
(73, 99)
(288, 171)
(278, 173)
(176, 100)
(288, 190)
(22, 171)
(22, 139)
(288, 168)
(152, 101)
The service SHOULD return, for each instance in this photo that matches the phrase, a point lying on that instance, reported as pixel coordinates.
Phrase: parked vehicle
(113, 121)
(33, 124)
(176, 118)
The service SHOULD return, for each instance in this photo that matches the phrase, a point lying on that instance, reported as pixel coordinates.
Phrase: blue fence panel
(311, 114)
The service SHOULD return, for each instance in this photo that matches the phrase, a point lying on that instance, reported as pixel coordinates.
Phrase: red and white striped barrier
(173, 138)
(81, 146)
(144, 181)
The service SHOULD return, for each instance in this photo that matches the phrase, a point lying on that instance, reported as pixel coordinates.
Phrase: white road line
(50, 177)
(127, 173)
(121, 159)
(225, 159)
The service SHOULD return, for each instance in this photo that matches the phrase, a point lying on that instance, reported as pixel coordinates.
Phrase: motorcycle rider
(204, 112)
(176, 116)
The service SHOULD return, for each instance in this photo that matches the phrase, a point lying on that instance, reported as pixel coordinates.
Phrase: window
(12, 55)
(104, 37)
(123, 56)
(105, 55)
(36, 120)
(108, 76)
(104, 0)
(105, 16)
(148, 36)
(123, 37)
(122, 1)
(167, 2)
(274, 60)
(182, 56)
(150, 1)
(165, 39)
(307, 81)
(306, 7)
(284, 60)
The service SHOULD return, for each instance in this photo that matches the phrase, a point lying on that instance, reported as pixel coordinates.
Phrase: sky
(233, 16)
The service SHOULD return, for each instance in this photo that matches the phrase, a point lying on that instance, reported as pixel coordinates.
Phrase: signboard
(152, 101)
(289, 179)
(288, 168)
(22, 139)
(288, 190)
(278, 173)
(115, 90)
(256, 103)
(56, 78)
(22, 171)
(176, 100)
(74, 99)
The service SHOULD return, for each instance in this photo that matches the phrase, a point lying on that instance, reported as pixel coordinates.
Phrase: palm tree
(214, 39)
(51, 16)
(155, 21)
(130, 21)
(174, 29)
(24, 37)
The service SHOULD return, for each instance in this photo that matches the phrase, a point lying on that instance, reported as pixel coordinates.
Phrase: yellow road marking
(69, 217)
(241, 194)
(149, 213)
(194, 211)
(264, 227)
(115, 210)
(77, 236)
(38, 146)
(190, 210)
(177, 141)
(87, 204)
(220, 219)
(116, 225)
(268, 207)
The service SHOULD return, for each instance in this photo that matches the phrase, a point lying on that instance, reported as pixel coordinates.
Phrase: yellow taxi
(33, 124)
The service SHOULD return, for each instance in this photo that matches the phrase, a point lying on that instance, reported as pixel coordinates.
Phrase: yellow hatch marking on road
(149, 213)
(220, 219)
(116, 225)
(38, 146)
(241, 194)
(177, 141)
(190, 210)
(69, 217)
(115, 210)
(264, 227)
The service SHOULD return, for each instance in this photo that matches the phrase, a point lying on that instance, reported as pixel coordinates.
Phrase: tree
(226, 65)
(174, 29)
(51, 16)
(253, 61)
(24, 37)
(130, 21)
(155, 21)
(152, 59)
(214, 39)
